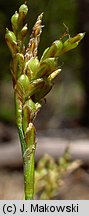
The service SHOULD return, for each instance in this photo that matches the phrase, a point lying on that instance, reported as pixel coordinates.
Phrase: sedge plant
(32, 81)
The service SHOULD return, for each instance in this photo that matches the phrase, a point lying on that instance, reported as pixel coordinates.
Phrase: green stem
(27, 140)
(28, 158)
(29, 177)
(18, 112)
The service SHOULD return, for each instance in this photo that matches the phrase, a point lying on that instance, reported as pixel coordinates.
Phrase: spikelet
(34, 38)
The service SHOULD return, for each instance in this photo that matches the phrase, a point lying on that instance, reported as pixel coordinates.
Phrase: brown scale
(34, 39)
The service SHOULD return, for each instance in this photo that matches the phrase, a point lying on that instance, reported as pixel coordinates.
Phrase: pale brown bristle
(34, 38)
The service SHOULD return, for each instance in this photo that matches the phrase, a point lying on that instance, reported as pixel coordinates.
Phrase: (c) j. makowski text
(51, 208)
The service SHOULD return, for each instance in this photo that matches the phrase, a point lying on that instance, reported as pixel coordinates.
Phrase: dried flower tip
(37, 29)
(34, 38)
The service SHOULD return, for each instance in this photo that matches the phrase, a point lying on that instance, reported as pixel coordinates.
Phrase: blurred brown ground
(54, 142)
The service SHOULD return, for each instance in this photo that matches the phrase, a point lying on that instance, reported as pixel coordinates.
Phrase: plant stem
(29, 177)
(27, 140)
(28, 160)
(32, 80)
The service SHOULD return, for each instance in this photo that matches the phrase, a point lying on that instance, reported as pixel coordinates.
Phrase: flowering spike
(23, 10)
(32, 80)
(53, 51)
(54, 74)
(14, 21)
(23, 32)
(11, 41)
(72, 43)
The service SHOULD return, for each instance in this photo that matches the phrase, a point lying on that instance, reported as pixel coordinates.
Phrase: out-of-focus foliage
(50, 175)
(6, 10)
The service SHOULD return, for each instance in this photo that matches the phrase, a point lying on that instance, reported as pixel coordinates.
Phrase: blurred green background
(68, 103)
